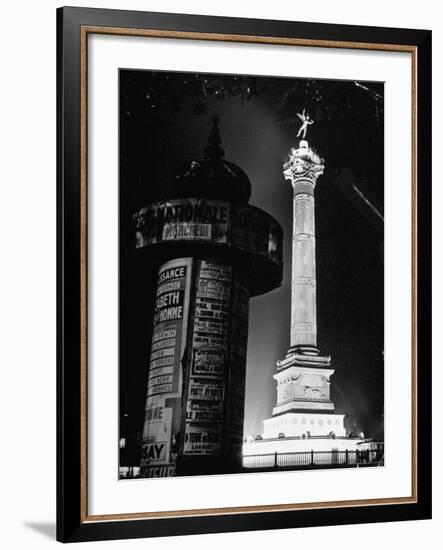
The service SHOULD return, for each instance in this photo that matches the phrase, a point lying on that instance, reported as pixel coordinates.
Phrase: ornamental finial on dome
(212, 177)
(213, 150)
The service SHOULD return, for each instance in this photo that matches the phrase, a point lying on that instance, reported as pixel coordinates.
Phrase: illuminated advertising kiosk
(214, 252)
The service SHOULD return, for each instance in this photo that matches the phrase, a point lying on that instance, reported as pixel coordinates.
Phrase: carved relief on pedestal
(312, 393)
(298, 385)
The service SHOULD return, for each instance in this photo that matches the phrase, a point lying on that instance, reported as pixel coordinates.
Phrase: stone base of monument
(301, 452)
(298, 424)
(298, 444)
(302, 440)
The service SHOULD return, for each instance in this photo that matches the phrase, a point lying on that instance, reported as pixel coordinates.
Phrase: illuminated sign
(215, 221)
(183, 219)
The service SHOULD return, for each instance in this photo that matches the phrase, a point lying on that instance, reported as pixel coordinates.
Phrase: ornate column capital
(303, 166)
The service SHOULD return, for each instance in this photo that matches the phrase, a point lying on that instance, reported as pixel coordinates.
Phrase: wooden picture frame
(74, 522)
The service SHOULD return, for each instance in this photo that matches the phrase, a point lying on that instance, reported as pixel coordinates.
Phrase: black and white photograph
(251, 278)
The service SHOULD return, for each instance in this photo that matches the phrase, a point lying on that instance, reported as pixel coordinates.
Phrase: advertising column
(236, 379)
(161, 431)
(206, 386)
(215, 395)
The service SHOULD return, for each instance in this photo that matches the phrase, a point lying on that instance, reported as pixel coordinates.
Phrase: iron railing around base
(312, 459)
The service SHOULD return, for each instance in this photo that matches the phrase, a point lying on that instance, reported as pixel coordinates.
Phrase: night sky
(164, 121)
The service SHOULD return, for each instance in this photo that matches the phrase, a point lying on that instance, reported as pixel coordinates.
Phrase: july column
(303, 169)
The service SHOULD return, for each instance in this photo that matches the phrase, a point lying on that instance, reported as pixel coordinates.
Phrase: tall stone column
(303, 375)
(302, 170)
(304, 409)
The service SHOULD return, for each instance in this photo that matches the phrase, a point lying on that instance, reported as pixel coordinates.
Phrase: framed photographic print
(244, 325)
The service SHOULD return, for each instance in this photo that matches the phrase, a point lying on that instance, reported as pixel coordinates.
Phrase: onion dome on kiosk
(212, 177)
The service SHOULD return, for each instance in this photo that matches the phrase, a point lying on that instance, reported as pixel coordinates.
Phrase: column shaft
(303, 303)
